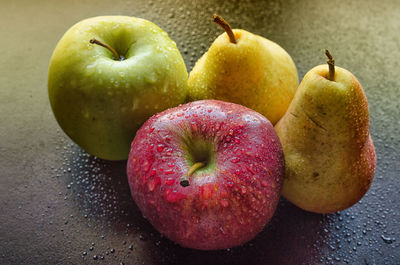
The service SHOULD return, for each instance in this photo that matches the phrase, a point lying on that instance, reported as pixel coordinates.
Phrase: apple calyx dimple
(200, 156)
(184, 181)
(331, 63)
(220, 21)
(117, 57)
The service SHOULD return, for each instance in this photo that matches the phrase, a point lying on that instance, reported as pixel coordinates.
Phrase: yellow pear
(246, 69)
(329, 155)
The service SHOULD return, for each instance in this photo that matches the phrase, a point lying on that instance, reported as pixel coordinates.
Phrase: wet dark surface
(62, 206)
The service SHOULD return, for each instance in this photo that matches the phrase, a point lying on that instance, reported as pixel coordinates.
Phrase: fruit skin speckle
(227, 202)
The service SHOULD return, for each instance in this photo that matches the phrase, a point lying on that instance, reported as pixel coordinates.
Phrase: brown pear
(329, 154)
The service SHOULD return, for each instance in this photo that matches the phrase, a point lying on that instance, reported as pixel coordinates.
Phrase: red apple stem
(111, 49)
(331, 63)
(220, 21)
(184, 181)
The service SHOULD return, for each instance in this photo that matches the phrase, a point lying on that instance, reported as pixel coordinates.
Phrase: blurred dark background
(59, 205)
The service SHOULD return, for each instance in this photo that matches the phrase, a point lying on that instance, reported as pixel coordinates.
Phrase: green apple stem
(184, 181)
(111, 49)
(331, 63)
(220, 21)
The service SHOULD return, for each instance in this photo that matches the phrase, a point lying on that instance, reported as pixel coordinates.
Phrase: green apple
(101, 96)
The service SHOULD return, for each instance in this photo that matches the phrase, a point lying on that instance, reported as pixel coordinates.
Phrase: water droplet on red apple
(173, 195)
(146, 166)
(193, 126)
(264, 183)
(235, 160)
(153, 183)
(169, 181)
(160, 148)
(169, 151)
(251, 169)
(224, 203)
(169, 172)
(206, 191)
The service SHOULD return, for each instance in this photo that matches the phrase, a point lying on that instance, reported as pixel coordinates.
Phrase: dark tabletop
(59, 205)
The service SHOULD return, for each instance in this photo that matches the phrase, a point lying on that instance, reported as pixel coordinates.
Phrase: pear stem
(220, 21)
(184, 181)
(331, 63)
(111, 49)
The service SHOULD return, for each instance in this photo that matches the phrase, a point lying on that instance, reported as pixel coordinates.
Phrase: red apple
(207, 174)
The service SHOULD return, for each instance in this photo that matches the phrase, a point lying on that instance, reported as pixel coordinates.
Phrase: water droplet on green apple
(135, 104)
(91, 66)
(73, 83)
(86, 114)
(165, 87)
